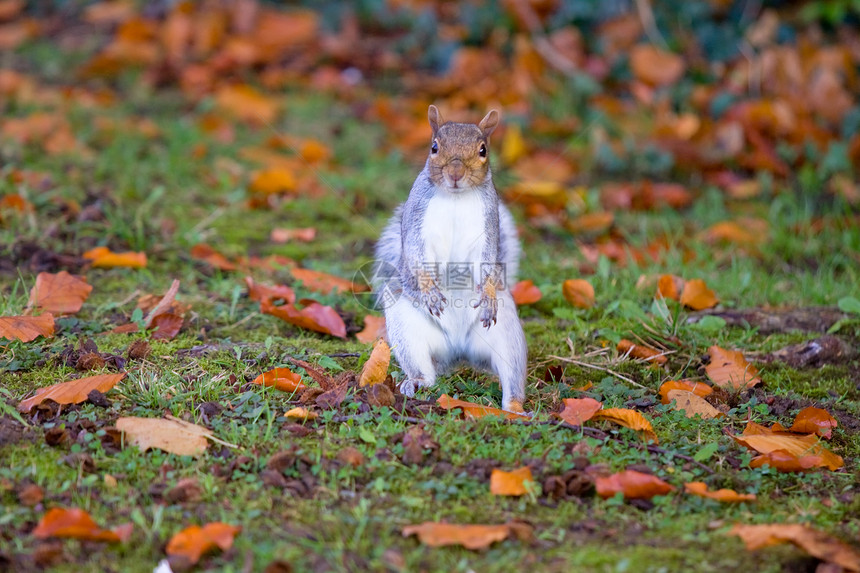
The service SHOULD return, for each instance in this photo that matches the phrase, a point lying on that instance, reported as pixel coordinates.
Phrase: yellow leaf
(510, 483)
(376, 367)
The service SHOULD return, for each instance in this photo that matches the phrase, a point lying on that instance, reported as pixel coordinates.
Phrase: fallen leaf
(629, 419)
(168, 434)
(325, 283)
(73, 391)
(632, 484)
(472, 410)
(749, 233)
(784, 461)
(434, 534)
(15, 202)
(167, 326)
(376, 367)
(281, 235)
(511, 483)
(641, 351)
(283, 379)
(725, 495)
(374, 327)
(729, 369)
(76, 523)
(765, 441)
(814, 421)
(192, 542)
(670, 286)
(102, 257)
(513, 145)
(60, 293)
(697, 388)
(693, 405)
(210, 256)
(301, 414)
(313, 316)
(579, 410)
(273, 180)
(27, 328)
(654, 66)
(590, 223)
(698, 296)
(578, 292)
(816, 543)
(259, 292)
(247, 104)
(525, 292)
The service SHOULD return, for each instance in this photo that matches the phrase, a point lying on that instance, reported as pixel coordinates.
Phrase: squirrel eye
(434, 149)
(483, 150)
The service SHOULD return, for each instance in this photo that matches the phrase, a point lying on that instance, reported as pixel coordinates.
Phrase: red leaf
(579, 410)
(313, 316)
(59, 293)
(77, 524)
(525, 292)
(192, 542)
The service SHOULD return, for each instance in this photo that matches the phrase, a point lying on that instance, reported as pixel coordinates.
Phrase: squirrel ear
(435, 118)
(489, 123)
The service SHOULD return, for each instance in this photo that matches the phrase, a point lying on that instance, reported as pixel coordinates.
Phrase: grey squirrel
(443, 264)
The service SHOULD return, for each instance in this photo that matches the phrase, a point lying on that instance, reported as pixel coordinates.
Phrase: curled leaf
(435, 534)
(472, 410)
(641, 351)
(73, 391)
(724, 495)
(525, 292)
(697, 388)
(578, 292)
(313, 316)
(814, 542)
(632, 484)
(579, 410)
(192, 542)
(376, 367)
(814, 421)
(729, 369)
(102, 257)
(283, 379)
(26, 328)
(629, 419)
(510, 483)
(698, 296)
(374, 327)
(60, 293)
(76, 523)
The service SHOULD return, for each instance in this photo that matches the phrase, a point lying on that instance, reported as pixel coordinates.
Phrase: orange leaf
(510, 483)
(325, 283)
(76, 523)
(654, 66)
(305, 235)
(641, 351)
(629, 419)
(525, 292)
(814, 421)
(102, 257)
(814, 542)
(301, 413)
(783, 461)
(59, 293)
(207, 254)
(472, 410)
(693, 405)
(376, 367)
(670, 286)
(698, 296)
(752, 233)
(697, 388)
(192, 542)
(579, 410)
(729, 369)
(578, 292)
(273, 180)
(591, 223)
(281, 378)
(260, 292)
(313, 316)
(433, 534)
(15, 202)
(374, 327)
(27, 328)
(71, 392)
(632, 484)
(798, 446)
(725, 495)
(247, 104)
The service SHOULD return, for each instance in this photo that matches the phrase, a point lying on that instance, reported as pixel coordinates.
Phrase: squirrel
(443, 263)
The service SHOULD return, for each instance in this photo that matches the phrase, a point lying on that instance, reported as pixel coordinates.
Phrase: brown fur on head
(459, 152)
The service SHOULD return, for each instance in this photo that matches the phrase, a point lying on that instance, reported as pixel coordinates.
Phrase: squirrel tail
(509, 245)
(387, 254)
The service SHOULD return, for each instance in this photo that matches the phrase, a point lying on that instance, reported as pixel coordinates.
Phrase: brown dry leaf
(670, 286)
(697, 388)
(247, 104)
(75, 523)
(579, 410)
(102, 257)
(578, 292)
(325, 283)
(729, 369)
(301, 414)
(73, 391)
(60, 293)
(783, 461)
(816, 543)
(725, 495)
(169, 434)
(748, 233)
(698, 296)
(693, 405)
(795, 445)
(814, 421)
(313, 316)
(654, 66)
(281, 235)
(641, 351)
(510, 483)
(632, 484)
(472, 410)
(525, 292)
(591, 223)
(260, 292)
(167, 325)
(374, 327)
(629, 419)
(376, 367)
(26, 328)
(210, 256)
(434, 534)
(192, 542)
(281, 378)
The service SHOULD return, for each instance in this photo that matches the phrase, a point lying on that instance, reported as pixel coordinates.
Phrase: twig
(601, 368)
(163, 304)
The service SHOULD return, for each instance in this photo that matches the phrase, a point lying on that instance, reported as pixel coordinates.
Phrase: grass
(148, 194)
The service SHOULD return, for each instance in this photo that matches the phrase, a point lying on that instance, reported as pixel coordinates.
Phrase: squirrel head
(459, 152)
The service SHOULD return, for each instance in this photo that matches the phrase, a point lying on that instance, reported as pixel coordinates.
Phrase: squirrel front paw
(489, 306)
(408, 387)
(434, 301)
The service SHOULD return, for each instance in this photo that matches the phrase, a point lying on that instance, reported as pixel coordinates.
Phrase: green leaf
(329, 363)
(709, 324)
(849, 304)
(706, 452)
(366, 436)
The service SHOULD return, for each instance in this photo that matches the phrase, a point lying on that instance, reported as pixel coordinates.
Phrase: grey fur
(429, 328)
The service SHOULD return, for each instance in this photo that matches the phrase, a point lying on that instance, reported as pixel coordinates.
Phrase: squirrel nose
(456, 170)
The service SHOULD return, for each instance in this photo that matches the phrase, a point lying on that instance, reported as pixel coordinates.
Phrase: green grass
(150, 195)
